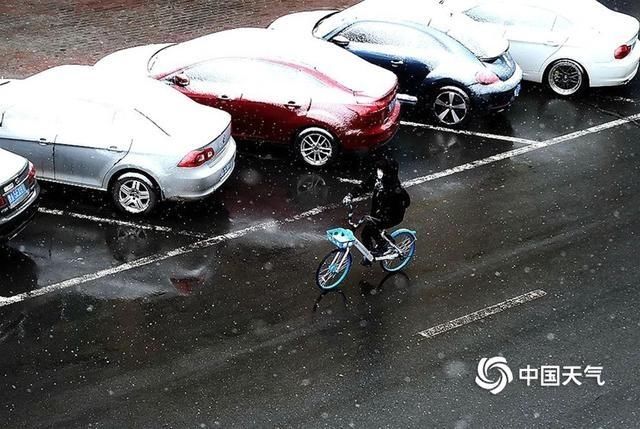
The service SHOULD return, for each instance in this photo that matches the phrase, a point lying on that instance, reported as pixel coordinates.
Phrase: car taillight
(3, 202)
(32, 174)
(621, 52)
(486, 77)
(196, 158)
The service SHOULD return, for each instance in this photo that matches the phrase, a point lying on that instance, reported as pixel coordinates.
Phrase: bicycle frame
(348, 240)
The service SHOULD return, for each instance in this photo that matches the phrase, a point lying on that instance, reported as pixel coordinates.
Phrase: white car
(568, 45)
(485, 44)
(133, 137)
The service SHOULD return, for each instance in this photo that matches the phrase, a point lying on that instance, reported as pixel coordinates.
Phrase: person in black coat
(389, 203)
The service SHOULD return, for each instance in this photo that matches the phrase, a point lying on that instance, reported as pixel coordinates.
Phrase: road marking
(205, 243)
(202, 244)
(618, 98)
(521, 151)
(482, 314)
(594, 129)
(108, 221)
(470, 133)
(352, 181)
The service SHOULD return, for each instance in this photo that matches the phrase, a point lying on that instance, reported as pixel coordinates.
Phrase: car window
(522, 17)
(252, 73)
(382, 33)
(86, 124)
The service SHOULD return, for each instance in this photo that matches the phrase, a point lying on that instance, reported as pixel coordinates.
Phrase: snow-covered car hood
(301, 22)
(10, 165)
(135, 60)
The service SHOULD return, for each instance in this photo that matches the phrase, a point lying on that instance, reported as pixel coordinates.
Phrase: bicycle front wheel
(333, 269)
(406, 242)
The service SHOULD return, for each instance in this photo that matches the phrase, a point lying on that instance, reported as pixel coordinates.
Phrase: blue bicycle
(335, 267)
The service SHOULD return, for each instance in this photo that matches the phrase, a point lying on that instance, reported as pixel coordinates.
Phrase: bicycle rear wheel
(406, 242)
(333, 270)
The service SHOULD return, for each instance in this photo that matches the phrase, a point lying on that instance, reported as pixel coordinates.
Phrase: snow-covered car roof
(172, 111)
(347, 69)
(483, 42)
(568, 8)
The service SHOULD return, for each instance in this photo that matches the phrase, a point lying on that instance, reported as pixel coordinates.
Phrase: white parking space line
(470, 133)
(352, 181)
(108, 221)
(482, 314)
(594, 129)
(521, 151)
(212, 241)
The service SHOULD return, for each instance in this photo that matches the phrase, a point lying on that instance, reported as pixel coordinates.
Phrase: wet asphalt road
(225, 334)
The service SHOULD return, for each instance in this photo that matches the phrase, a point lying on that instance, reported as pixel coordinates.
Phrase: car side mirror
(341, 41)
(180, 80)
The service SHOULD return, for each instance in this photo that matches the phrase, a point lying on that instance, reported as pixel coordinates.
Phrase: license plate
(517, 91)
(17, 195)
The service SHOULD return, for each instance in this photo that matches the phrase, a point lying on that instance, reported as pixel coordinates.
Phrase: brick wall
(38, 34)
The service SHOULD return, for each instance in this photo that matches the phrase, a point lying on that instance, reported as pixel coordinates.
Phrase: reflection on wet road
(235, 333)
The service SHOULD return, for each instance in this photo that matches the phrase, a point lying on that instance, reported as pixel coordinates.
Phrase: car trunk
(11, 165)
(503, 66)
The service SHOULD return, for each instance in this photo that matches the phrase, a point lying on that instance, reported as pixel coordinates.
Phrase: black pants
(371, 234)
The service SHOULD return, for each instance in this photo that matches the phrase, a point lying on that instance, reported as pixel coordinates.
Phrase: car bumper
(12, 225)
(617, 72)
(367, 139)
(200, 182)
(499, 96)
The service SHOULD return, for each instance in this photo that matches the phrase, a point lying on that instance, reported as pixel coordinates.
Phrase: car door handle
(43, 141)
(553, 43)
(225, 97)
(397, 63)
(293, 105)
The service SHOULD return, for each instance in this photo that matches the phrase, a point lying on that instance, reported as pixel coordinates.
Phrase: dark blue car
(434, 70)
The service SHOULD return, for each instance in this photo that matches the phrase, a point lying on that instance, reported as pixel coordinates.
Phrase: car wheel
(316, 147)
(566, 78)
(451, 106)
(134, 193)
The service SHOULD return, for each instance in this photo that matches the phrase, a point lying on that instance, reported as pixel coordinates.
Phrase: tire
(340, 272)
(135, 194)
(316, 147)
(407, 243)
(566, 78)
(451, 106)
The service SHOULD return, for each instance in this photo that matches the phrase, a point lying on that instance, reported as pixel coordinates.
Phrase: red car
(291, 90)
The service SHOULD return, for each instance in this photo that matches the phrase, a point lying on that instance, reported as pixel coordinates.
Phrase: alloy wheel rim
(450, 107)
(565, 78)
(316, 149)
(134, 196)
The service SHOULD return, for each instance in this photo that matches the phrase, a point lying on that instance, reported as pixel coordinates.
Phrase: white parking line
(108, 221)
(208, 242)
(521, 151)
(470, 133)
(482, 314)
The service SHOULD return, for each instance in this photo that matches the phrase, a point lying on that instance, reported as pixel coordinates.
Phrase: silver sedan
(139, 140)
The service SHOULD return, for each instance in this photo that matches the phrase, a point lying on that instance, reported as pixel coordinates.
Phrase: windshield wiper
(315, 27)
(154, 57)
